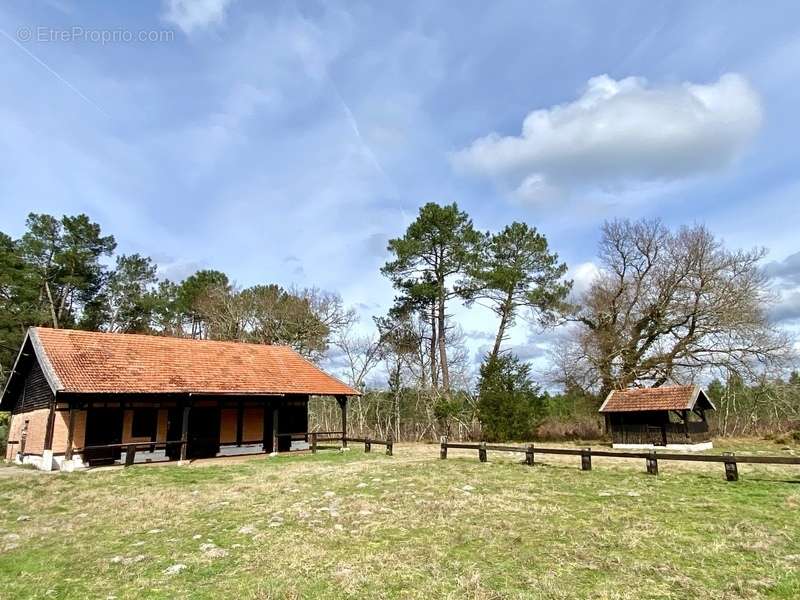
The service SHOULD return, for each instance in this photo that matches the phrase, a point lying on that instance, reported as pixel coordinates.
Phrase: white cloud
(620, 133)
(195, 14)
(582, 277)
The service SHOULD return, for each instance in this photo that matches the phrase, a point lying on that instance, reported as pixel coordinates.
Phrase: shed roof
(676, 397)
(92, 362)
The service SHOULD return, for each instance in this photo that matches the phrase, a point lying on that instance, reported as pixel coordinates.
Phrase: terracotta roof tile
(92, 362)
(678, 397)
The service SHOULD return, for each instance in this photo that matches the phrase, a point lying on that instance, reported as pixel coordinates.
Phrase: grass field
(344, 525)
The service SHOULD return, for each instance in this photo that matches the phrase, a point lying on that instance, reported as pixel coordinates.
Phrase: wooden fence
(651, 458)
(318, 436)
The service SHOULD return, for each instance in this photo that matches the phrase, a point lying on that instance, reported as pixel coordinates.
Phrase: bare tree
(668, 305)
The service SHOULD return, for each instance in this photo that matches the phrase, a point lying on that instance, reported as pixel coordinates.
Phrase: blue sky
(288, 141)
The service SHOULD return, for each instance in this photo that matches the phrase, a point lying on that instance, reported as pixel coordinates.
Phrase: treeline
(65, 273)
(667, 306)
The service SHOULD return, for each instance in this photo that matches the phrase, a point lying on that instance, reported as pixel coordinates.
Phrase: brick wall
(37, 427)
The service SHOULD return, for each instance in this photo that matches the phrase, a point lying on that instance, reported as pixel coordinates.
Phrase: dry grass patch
(368, 526)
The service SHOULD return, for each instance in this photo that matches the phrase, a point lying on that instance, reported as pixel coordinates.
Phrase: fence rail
(729, 459)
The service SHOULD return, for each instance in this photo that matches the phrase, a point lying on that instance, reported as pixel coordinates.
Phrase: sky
(289, 141)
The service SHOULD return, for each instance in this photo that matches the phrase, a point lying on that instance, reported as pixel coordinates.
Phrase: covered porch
(138, 428)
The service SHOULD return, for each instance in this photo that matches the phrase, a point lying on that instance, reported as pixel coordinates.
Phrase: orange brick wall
(227, 427)
(61, 430)
(37, 426)
(253, 426)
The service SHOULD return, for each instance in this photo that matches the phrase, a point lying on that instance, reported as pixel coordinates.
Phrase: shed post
(443, 449)
(70, 434)
(342, 400)
(185, 432)
(482, 452)
(239, 422)
(314, 443)
(731, 470)
(274, 432)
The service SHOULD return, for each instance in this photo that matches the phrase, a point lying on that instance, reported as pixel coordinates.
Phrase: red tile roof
(678, 397)
(92, 362)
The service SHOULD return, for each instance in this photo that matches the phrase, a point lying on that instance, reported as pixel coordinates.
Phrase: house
(78, 397)
(667, 417)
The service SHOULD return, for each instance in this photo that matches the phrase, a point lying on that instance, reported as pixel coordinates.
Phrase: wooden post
(185, 432)
(443, 450)
(390, 446)
(130, 455)
(652, 463)
(482, 452)
(314, 443)
(275, 430)
(70, 434)
(731, 469)
(586, 459)
(529, 455)
(367, 445)
(239, 422)
(342, 400)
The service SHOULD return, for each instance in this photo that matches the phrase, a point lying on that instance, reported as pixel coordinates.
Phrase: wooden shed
(79, 398)
(668, 417)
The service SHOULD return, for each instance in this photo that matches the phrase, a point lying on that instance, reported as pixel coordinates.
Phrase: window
(144, 423)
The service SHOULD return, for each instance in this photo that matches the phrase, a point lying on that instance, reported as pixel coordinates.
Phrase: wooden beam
(275, 428)
(185, 432)
(239, 422)
(342, 400)
(70, 433)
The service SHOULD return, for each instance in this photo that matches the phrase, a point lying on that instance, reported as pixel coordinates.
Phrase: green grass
(369, 526)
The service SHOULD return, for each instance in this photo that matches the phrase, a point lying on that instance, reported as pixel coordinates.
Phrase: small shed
(665, 417)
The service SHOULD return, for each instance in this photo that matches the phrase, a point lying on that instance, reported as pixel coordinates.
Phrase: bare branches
(671, 303)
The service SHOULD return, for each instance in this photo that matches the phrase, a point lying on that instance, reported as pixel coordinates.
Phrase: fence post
(313, 443)
(731, 470)
(529, 455)
(130, 455)
(652, 463)
(443, 450)
(367, 445)
(586, 459)
(390, 446)
(482, 452)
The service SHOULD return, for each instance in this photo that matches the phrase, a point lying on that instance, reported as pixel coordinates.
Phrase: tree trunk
(442, 343)
(52, 304)
(505, 313)
(434, 370)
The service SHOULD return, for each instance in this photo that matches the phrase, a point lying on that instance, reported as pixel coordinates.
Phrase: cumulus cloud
(190, 15)
(582, 276)
(619, 133)
(785, 278)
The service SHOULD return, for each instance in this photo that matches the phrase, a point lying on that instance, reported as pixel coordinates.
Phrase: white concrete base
(679, 447)
(68, 466)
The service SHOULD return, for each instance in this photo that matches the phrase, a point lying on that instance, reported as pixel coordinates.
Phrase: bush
(575, 428)
(509, 403)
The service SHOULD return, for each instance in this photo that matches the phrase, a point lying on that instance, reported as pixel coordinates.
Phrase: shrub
(509, 403)
(574, 428)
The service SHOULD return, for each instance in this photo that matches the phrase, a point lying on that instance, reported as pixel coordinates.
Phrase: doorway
(103, 427)
(203, 435)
